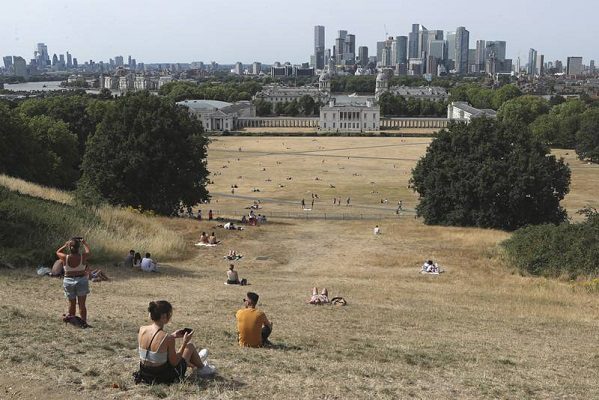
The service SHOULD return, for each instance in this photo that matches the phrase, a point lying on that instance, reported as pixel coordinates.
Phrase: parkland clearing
(479, 330)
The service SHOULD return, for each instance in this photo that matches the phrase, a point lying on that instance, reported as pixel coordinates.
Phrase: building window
(325, 115)
(374, 116)
(364, 125)
(325, 125)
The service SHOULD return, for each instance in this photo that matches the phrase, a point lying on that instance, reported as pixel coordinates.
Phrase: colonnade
(277, 122)
(414, 123)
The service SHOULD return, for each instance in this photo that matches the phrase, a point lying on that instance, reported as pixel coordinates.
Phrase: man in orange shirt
(252, 325)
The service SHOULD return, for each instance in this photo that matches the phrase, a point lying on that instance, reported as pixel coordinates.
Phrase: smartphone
(186, 330)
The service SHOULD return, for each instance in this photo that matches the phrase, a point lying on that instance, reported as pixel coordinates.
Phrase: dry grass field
(478, 331)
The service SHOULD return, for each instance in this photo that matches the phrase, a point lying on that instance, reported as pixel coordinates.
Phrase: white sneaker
(203, 355)
(207, 370)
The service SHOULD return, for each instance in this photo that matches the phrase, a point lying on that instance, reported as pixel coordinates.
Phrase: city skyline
(153, 33)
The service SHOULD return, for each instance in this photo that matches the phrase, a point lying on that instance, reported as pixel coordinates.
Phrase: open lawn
(480, 330)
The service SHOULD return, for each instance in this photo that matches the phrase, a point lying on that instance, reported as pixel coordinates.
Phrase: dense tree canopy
(229, 91)
(490, 174)
(19, 149)
(481, 97)
(147, 153)
(587, 146)
(558, 128)
(398, 106)
(524, 109)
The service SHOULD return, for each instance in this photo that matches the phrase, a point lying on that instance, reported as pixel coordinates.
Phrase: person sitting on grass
(160, 362)
(148, 265)
(322, 298)
(430, 267)
(137, 261)
(212, 239)
(233, 278)
(252, 325)
(204, 238)
(128, 261)
(97, 275)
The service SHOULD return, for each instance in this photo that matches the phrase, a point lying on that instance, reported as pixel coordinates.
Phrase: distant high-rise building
(20, 66)
(451, 46)
(61, 62)
(7, 62)
(75, 65)
(480, 57)
(462, 40)
(379, 50)
(532, 62)
(413, 41)
(319, 40)
(69, 60)
(437, 50)
(349, 54)
(592, 67)
(238, 70)
(540, 65)
(118, 61)
(129, 61)
(363, 55)
(497, 47)
(54, 60)
(402, 49)
(574, 66)
(257, 68)
(43, 59)
(339, 46)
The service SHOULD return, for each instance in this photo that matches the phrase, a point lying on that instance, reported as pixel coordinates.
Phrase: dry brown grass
(31, 189)
(478, 331)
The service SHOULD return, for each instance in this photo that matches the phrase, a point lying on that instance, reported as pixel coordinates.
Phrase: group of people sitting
(145, 264)
(161, 361)
(430, 267)
(205, 239)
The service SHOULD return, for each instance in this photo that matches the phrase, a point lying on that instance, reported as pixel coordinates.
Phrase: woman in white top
(160, 362)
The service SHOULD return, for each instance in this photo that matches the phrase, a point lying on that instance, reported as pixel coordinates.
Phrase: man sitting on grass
(252, 325)
(148, 265)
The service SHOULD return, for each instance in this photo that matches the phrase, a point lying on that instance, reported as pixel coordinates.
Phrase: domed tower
(324, 82)
(382, 84)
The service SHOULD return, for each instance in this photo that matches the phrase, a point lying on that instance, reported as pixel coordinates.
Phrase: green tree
(58, 162)
(306, 104)
(587, 138)
(524, 109)
(559, 127)
(503, 94)
(292, 108)
(491, 175)
(263, 107)
(147, 153)
(19, 149)
(280, 108)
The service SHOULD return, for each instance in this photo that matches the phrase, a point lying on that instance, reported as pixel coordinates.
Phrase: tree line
(137, 150)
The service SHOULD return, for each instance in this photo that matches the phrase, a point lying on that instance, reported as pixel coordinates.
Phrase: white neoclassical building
(462, 111)
(350, 113)
(219, 115)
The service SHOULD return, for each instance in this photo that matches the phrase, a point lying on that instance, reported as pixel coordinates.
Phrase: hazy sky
(227, 31)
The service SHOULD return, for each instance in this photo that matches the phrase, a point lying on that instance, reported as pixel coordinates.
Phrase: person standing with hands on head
(75, 283)
(252, 325)
(160, 362)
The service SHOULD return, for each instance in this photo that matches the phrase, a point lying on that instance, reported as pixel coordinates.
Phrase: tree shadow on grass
(283, 347)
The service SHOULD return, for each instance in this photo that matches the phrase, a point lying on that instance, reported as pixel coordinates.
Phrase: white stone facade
(462, 111)
(350, 116)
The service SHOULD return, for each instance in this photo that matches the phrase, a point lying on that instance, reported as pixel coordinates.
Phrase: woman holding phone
(75, 283)
(160, 360)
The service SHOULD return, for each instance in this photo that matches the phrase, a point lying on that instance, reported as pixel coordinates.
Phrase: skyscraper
(319, 40)
(402, 49)
(20, 66)
(349, 54)
(42, 54)
(592, 66)
(451, 46)
(8, 62)
(496, 47)
(413, 42)
(363, 55)
(532, 62)
(462, 40)
(480, 56)
(540, 65)
(574, 66)
(118, 61)
(69, 60)
(437, 50)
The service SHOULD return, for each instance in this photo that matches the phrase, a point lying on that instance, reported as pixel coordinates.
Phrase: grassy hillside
(37, 220)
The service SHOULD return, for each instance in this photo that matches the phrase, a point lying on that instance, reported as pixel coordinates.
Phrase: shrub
(557, 250)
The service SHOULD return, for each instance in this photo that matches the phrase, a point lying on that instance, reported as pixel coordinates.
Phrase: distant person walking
(210, 215)
(303, 203)
(312, 203)
(199, 215)
(348, 200)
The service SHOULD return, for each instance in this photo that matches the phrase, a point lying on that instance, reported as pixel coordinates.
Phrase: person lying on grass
(322, 298)
(160, 361)
(97, 275)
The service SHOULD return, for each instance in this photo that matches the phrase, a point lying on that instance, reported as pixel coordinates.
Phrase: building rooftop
(205, 105)
(474, 111)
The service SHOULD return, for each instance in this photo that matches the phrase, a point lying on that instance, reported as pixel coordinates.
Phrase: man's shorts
(75, 286)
